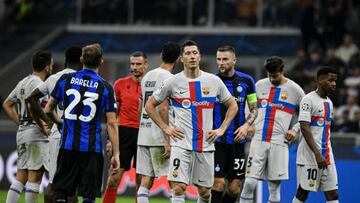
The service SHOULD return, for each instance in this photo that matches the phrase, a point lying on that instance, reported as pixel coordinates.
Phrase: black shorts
(230, 161)
(75, 171)
(128, 146)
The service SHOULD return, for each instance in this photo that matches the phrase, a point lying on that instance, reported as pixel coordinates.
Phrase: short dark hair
(139, 54)
(170, 52)
(188, 43)
(92, 55)
(40, 60)
(274, 64)
(72, 55)
(325, 70)
(226, 48)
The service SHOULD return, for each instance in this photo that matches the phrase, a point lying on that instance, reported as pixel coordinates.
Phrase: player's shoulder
(264, 81)
(311, 96)
(242, 75)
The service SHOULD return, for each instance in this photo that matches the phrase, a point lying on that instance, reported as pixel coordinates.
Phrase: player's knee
(204, 192)
(332, 195)
(250, 185)
(301, 194)
(179, 189)
(233, 190)
(219, 184)
(274, 190)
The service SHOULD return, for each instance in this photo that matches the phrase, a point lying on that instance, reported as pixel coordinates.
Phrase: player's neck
(41, 75)
(228, 74)
(192, 73)
(93, 69)
(322, 93)
(167, 66)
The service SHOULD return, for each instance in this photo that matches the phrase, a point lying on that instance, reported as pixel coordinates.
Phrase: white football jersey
(318, 112)
(193, 102)
(149, 133)
(47, 87)
(23, 90)
(277, 106)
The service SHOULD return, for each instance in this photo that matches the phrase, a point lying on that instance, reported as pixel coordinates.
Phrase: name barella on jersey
(242, 88)
(277, 105)
(28, 130)
(149, 133)
(85, 95)
(193, 102)
(47, 87)
(319, 113)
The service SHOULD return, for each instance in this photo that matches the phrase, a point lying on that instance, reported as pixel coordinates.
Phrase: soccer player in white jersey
(279, 99)
(72, 64)
(192, 95)
(32, 143)
(153, 149)
(316, 169)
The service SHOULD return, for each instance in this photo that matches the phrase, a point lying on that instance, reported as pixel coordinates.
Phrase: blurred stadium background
(306, 33)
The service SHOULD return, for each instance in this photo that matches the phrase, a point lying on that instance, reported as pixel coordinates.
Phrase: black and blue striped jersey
(84, 95)
(241, 86)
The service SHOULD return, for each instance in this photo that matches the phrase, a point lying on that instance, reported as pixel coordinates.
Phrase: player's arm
(113, 133)
(10, 110)
(50, 111)
(36, 111)
(231, 112)
(305, 130)
(164, 114)
(150, 108)
(242, 131)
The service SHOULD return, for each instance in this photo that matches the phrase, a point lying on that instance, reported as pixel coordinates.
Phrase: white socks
(143, 195)
(31, 192)
(14, 192)
(274, 190)
(247, 194)
(202, 200)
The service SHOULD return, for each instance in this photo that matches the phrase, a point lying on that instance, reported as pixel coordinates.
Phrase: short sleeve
(117, 90)
(305, 109)
(58, 91)
(12, 96)
(251, 91)
(164, 91)
(223, 94)
(110, 103)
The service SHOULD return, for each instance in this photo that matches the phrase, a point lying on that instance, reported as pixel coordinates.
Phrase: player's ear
(81, 60)
(181, 59)
(102, 62)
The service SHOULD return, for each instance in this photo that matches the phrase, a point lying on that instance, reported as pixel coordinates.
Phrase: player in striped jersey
(72, 64)
(153, 148)
(192, 93)
(230, 149)
(278, 101)
(84, 95)
(316, 170)
(32, 144)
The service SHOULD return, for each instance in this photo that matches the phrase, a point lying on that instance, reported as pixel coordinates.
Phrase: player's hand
(45, 130)
(214, 134)
(241, 132)
(109, 148)
(115, 165)
(174, 132)
(251, 130)
(167, 150)
(290, 135)
(320, 161)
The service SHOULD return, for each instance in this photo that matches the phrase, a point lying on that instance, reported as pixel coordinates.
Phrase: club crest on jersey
(205, 90)
(239, 89)
(311, 183)
(186, 103)
(284, 96)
